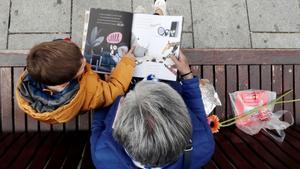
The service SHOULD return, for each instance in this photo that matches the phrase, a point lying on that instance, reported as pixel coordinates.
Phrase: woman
(154, 127)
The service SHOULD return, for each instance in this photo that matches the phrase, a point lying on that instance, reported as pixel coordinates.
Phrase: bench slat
(254, 77)
(206, 72)
(277, 83)
(292, 141)
(14, 150)
(294, 133)
(288, 82)
(84, 121)
(20, 121)
(243, 77)
(297, 93)
(3, 136)
(76, 150)
(286, 147)
(276, 151)
(265, 74)
(7, 142)
(58, 156)
(57, 127)
(71, 125)
(32, 124)
(221, 159)
(87, 159)
(12, 59)
(40, 159)
(44, 126)
(244, 150)
(199, 56)
(231, 86)
(220, 83)
(29, 151)
(242, 56)
(6, 99)
(238, 160)
(260, 150)
(297, 129)
(211, 165)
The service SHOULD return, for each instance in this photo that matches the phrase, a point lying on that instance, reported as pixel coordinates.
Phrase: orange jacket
(93, 93)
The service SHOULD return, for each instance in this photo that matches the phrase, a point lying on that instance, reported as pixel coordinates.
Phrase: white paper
(156, 38)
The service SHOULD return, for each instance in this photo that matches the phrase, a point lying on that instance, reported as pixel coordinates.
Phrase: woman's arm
(190, 86)
(98, 123)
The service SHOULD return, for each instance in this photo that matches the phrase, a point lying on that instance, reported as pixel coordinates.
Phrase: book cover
(106, 38)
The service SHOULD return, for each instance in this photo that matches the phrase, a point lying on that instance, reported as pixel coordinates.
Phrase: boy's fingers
(131, 50)
(123, 51)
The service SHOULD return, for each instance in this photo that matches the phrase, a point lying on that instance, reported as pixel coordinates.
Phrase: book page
(107, 35)
(156, 38)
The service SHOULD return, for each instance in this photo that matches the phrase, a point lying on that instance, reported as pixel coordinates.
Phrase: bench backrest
(228, 69)
(238, 69)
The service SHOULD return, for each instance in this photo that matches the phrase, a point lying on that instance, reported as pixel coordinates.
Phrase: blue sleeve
(203, 141)
(98, 126)
(191, 94)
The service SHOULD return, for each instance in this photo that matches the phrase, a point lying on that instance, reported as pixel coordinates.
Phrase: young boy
(58, 84)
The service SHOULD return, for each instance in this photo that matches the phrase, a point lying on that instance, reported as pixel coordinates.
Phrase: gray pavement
(207, 23)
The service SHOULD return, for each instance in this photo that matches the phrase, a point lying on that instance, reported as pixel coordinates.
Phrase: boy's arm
(105, 92)
(119, 80)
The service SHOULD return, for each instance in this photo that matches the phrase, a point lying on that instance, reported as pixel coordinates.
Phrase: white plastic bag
(244, 101)
(210, 97)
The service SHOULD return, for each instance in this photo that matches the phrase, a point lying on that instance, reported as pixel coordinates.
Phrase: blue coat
(108, 154)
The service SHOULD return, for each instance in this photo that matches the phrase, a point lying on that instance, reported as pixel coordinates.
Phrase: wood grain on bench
(228, 69)
(238, 69)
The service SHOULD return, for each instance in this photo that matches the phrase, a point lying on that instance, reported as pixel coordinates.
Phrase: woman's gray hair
(153, 124)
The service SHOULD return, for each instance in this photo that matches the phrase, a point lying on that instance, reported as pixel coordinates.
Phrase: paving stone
(276, 40)
(274, 15)
(144, 6)
(220, 24)
(27, 41)
(181, 7)
(174, 7)
(187, 40)
(40, 16)
(79, 6)
(4, 15)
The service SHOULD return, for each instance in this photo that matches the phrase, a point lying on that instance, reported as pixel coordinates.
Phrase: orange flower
(213, 122)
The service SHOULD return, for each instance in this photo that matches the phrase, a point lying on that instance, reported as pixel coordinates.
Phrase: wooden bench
(26, 143)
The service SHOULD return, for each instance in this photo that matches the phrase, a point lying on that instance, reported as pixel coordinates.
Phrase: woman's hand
(182, 65)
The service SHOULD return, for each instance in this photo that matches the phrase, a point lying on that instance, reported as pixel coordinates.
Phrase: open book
(109, 34)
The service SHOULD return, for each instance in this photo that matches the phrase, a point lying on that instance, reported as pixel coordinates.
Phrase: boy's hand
(130, 54)
(182, 66)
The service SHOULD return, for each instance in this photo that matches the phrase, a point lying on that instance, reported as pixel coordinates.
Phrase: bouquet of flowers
(254, 111)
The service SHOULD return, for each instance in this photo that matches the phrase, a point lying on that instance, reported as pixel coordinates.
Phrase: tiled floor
(207, 23)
